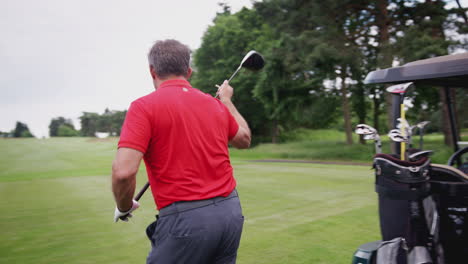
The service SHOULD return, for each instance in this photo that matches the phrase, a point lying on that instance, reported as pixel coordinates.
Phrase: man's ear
(189, 72)
(152, 72)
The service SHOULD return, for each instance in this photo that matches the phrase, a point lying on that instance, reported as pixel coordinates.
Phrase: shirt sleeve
(233, 126)
(136, 129)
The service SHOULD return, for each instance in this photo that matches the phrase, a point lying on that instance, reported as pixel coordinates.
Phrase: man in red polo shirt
(182, 134)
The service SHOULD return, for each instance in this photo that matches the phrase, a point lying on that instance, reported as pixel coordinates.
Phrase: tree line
(110, 121)
(21, 131)
(318, 52)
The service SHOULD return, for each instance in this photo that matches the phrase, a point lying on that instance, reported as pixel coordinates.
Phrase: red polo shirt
(184, 136)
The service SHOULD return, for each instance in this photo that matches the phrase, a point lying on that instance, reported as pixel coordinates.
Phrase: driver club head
(253, 61)
(399, 88)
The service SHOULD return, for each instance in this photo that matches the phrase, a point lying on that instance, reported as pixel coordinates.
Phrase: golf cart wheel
(456, 156)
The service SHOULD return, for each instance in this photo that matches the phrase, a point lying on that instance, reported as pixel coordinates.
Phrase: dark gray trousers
(204, 232)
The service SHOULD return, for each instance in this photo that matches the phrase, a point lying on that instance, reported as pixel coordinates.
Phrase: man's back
(187, 152)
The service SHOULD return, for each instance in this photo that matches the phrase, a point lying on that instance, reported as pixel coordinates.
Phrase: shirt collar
(174, 82)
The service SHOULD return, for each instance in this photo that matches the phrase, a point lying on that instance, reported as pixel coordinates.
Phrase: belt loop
(176, 207)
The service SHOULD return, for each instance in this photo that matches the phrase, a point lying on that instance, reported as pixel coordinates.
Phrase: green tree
(117, 120)
(89, 124)
(320, 42)
(57, 122)
(110, 121)
(66, 131)
(21, 130)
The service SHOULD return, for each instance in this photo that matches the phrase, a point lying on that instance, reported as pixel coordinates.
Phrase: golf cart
(423, 207)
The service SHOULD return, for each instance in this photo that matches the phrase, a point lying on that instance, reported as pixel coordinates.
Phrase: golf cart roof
(449, 71)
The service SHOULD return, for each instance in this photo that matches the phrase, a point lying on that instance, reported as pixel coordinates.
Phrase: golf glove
(124, 216)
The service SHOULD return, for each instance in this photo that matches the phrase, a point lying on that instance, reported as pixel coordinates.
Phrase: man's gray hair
(169, 57)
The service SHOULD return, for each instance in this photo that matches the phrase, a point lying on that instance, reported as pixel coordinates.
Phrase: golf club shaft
(378, 146)
(421, 132)
(234, 74)
(402, 129)
(142, 191)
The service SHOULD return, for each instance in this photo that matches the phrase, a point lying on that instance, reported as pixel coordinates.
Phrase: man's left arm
(124, 171)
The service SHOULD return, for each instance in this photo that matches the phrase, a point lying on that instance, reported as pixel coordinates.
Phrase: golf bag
(449, 188)
(406, 209)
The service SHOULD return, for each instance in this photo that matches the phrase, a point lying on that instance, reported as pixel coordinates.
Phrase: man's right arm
(243, 136)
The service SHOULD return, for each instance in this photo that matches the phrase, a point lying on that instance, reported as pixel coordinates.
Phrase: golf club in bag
(369, 133)
(421, 126)
(399, 91)
(252, 61)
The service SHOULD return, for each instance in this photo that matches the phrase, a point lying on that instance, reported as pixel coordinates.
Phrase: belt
(182, 206)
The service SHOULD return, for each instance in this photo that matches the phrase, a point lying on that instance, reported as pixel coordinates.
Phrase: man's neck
(158, 81)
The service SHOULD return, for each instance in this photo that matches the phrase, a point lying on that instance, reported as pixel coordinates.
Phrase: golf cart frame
(449, 71)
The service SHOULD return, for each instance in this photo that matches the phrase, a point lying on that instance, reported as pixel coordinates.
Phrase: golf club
(399, 90)
(421, 126)
(411, 132)
(370, 133)
(403, 125)
(252, 61)
(396, 136)
(142, 191)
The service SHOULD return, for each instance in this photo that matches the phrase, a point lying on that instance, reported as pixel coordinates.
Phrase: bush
(66, 131)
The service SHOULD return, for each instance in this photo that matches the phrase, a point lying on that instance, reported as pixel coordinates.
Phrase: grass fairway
(57, 207)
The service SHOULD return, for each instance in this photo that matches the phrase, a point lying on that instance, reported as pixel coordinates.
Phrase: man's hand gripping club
(124, 216)
(243, 137)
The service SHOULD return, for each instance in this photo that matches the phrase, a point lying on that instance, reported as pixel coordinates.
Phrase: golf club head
(396, 136)
(369, 136)
(422, 124)
(399, 88)
(363, 129)
(253, 61)
(403, 123)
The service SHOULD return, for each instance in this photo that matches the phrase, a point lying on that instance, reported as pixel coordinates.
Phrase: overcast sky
(60, 58)
(63, 57)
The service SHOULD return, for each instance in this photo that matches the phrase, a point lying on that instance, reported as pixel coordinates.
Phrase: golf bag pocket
(390, 252)
(402, 186)
(450, 193)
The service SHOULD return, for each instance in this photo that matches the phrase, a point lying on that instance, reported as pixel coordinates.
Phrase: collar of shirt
(175, 82)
